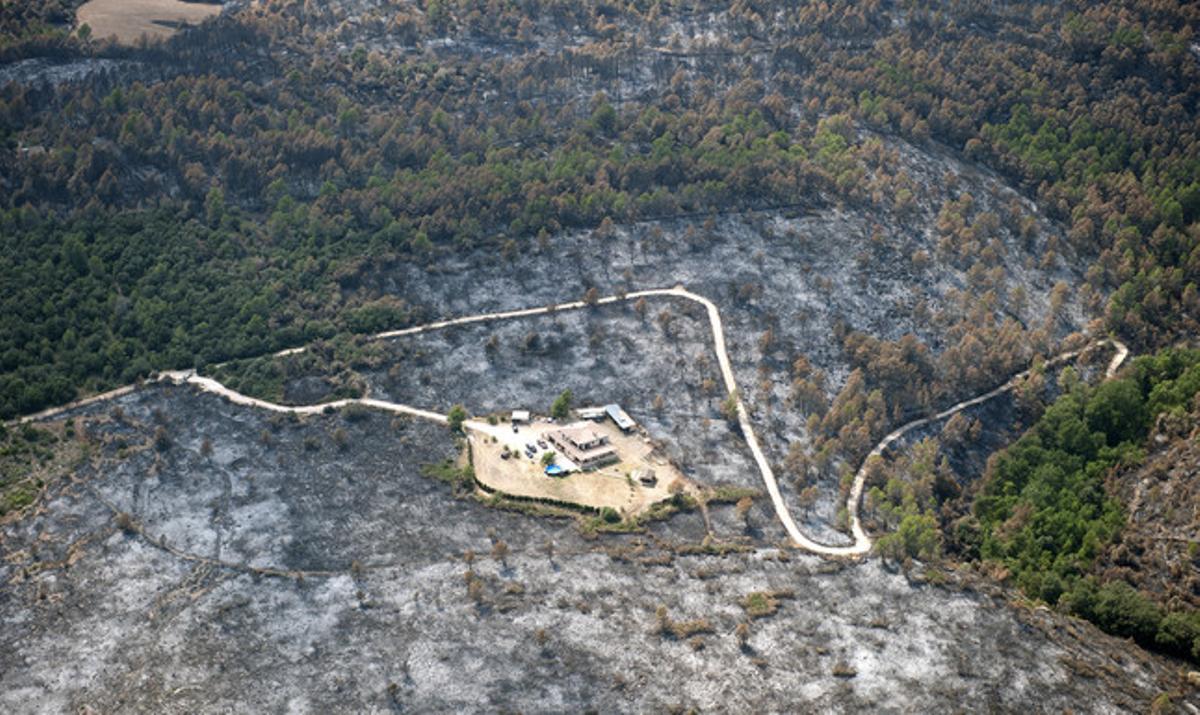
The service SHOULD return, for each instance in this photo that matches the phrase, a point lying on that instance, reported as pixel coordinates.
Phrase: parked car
(542, 444)
(529, 447)
(516, 429)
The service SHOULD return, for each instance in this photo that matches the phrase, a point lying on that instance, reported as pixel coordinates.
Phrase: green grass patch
(760, 604)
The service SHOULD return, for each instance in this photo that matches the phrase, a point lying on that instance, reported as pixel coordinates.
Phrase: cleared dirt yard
(609, 486)
(127, 20)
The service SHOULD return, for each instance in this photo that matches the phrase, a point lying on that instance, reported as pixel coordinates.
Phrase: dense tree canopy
(1044, 512)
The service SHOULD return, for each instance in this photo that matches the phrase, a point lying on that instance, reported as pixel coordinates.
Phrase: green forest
(1043, 511)
(131, 290)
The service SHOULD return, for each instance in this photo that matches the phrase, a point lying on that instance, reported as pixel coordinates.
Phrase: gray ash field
(893, 211)
(271, 564)
(372, 612)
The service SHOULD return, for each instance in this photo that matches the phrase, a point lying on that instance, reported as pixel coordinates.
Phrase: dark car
(542, 444)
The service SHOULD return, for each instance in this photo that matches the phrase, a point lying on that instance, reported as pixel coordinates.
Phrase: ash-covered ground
(267, 569)
(662, 370)
(806, 278)
(216, 558)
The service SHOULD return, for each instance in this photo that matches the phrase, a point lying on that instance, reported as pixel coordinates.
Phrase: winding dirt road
(210, 385)
(862, 541)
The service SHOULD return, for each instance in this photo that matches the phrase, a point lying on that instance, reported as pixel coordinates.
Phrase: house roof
(581, 434)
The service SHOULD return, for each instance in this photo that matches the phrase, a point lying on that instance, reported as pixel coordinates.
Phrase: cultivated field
(128, 20)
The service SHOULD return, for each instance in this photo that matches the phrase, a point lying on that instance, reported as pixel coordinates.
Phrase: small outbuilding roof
(591, 413)
(645, 475)
(624, 421)
(520, 416)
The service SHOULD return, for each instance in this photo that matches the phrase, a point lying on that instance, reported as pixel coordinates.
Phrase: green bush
(462, 480)
(1179, 634)
(561, 406)
(917, 537)
(456, 417)
(1121, 610)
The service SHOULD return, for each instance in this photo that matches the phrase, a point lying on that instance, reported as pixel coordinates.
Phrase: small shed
(646, 476)
(520, 416)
